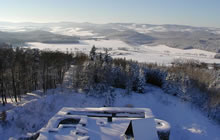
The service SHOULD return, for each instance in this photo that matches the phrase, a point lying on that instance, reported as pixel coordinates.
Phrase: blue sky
(186, 12)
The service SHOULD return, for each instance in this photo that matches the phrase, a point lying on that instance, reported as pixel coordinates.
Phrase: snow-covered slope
(187, 123)
(160, 54)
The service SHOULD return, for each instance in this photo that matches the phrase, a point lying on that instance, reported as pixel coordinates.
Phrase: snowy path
(187, 123)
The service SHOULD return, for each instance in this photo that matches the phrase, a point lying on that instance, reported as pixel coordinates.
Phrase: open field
(160, 54)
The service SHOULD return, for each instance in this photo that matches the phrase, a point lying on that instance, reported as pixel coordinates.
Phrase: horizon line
(49, 22)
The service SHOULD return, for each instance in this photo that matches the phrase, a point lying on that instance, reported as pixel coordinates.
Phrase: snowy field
(160, 54)
(187, 123)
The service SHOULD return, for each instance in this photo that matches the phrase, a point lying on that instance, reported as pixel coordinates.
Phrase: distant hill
(132, 37)
(176, 36)
(36, 36)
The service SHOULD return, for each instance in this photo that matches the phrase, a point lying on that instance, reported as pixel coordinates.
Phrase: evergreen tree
(92, 53)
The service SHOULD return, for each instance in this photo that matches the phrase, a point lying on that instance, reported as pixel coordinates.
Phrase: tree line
(24, 70)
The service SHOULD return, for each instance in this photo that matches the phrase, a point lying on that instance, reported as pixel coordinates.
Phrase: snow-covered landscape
(186, 121)
(109, 70)
(34, 110)
(160, 54)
